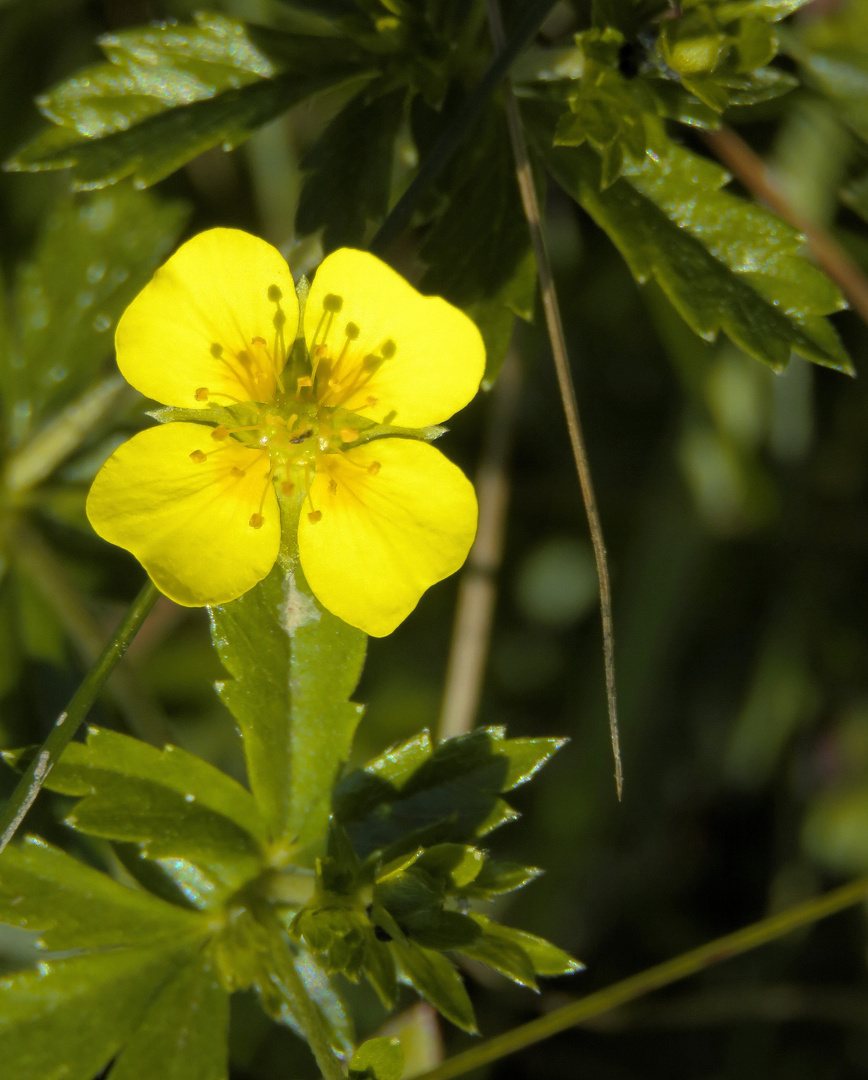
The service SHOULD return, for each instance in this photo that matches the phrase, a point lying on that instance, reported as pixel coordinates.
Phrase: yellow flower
(383, 514)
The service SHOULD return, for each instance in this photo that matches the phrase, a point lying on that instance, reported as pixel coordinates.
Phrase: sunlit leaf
(378, 1059)
(293, 667)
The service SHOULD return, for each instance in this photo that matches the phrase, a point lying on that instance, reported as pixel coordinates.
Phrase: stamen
(333, 486)
(220, 432)
(258, 341)
(256, 521)
(314, 516)
(304, 383)
(371, 402)
(237, 473)
(349, 434)
(201, 394)
(374, 468)
(300, 438)
(388, 349)
(198, 456)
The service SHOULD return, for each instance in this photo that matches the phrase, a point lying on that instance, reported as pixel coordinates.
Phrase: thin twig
(565, 383)
(37, 561)
(471, 635)
(742, 941)
(71, 718)
(752, 171)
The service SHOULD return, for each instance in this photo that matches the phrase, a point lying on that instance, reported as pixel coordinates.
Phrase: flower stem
(525, 28)
(305, 1010)
(759, 933)
(555, 327)
(68, 722)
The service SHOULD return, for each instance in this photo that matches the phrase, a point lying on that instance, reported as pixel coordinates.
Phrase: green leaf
(545, 958)
(74, 906)
(436, 979)
(92, 256)
(498, 952)
(478, 251)
(175, 804)
(170, 92)
(378, 1059)
(496, 878)
(183, 1034)
(452, 796)
(349, 170)
(70, 1017)
(293, 667)
(725, 264)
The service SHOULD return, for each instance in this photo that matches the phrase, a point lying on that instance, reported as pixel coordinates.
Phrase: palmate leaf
(170, 92)
(725, 264)
(173, 804)
(418, 794)
(293, 667)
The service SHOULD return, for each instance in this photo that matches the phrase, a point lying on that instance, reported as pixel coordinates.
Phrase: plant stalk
(67, 724)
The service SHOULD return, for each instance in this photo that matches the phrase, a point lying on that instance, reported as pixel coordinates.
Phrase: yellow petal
(188, 522)
(434, 355)
(217, 318)
(395, 516)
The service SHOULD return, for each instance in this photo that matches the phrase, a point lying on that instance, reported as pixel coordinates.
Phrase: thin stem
(759, 933)
(68, 722)
(471, 635)
(565, 384)
(35, 559)
(399, 217)
(305, 1010)
(734, 152)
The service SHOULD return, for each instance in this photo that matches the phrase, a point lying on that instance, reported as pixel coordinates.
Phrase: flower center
(294, 429)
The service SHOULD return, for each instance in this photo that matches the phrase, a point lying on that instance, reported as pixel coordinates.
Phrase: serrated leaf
(175, 804)
(362, 790)
(183, 1035)
(378, 1059)
(68, 1018)
(74, 906)
(502, 955)
(452, 796)
(545, 958)
(293, 667)
(169, 92)
(478, 251)
(496, 878)
(725, 264)
(349, 170)
(93, 255)
(436, 979)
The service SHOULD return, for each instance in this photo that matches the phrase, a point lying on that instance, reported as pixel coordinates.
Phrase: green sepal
(436, 980)
(378, 1059)
(545, 958)
(496, 878)
(293, 666)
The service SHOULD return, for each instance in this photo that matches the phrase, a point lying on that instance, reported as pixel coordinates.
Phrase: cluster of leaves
(218, 889)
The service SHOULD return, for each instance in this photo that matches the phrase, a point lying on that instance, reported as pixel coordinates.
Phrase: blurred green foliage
(733, 497)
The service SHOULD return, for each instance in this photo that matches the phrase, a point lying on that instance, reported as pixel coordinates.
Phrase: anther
(220, 433)
(198, 456)
(256, 521)
(388, 349)
(314, 516)
(216, 350)
(371, 402)
(374, 468)
(352, 331)
(333, 486)
(371, 362)
(236, 472)
(304, 381)
(201, 394)
(332, 302)
(274, 294)
(258, 341)
(349, 434)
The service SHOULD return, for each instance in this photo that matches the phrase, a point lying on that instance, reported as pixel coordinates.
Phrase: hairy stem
(759, 933)
(565, 384)
(66, 725)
